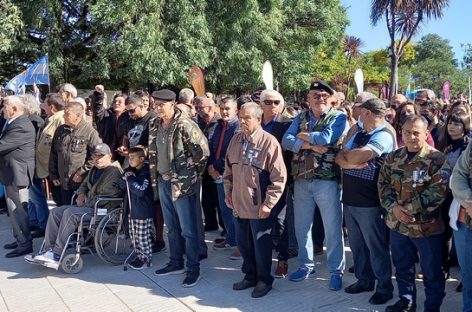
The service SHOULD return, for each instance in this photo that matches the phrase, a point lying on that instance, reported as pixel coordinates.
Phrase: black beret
(322, 86)
(164, 95)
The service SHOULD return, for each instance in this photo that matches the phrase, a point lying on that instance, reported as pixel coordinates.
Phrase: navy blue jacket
(233, 127)
(142, 204)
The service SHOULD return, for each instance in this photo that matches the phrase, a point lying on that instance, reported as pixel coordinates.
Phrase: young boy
(141, 212)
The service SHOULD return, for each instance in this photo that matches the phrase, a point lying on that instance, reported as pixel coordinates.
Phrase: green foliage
(10, 16)
(435, 62)
(126, 43)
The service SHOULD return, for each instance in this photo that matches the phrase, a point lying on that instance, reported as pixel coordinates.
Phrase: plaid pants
(141, 232)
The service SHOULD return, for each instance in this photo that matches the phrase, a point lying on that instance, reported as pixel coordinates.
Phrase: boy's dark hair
(137, 150)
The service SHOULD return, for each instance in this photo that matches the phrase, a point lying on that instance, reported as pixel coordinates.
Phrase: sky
(455, 25)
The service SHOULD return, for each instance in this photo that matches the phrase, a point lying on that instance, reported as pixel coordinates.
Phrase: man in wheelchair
(102, 180)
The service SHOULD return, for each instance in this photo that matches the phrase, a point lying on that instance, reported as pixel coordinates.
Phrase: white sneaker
(48, 256)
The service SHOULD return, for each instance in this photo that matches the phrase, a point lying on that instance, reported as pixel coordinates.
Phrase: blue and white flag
(37, 73)
(16, 83)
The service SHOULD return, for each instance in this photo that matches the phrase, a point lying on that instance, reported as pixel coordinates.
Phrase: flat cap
(322, 86)
(164, 95)
(101, 149)
(374, 105)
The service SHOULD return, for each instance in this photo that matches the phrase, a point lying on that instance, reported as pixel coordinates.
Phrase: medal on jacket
(420, 176)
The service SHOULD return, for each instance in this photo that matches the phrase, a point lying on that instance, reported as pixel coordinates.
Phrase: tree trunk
(393, 76)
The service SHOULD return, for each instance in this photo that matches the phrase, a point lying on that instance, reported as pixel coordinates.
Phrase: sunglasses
(320, 95)
(132, 111)
(270, 102)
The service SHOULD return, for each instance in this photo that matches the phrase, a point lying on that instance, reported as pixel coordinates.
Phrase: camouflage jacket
(188, 154)
(418, 186)
(309, 164)
(461, 180)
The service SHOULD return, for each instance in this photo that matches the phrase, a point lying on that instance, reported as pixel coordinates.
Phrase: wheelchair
(104, 234)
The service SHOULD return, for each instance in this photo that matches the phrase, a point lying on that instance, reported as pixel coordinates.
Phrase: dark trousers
(17, 203)
(255, 244)
(65, 197)
(281, 227)
(210, 203)
(369, 244)
(404, 254)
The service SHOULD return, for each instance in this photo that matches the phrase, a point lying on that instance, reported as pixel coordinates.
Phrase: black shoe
(13, 245)
(202, 257)
(379, 298)
(459, 287)
(158, 246)
(169, 270)
(38, 233)
(244, 284)
(357, 288)
(19, 252)
(261, 290)
(138, 264)
(351, 269)
(191, 279)
(401, 305)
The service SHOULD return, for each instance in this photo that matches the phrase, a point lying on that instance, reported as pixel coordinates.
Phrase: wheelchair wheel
(71, 265)
(112, 243)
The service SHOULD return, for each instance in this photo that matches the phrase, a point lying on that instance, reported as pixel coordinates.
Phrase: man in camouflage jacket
(178, 152)
(411, 189)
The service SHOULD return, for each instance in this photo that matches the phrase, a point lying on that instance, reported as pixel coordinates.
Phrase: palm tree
(403, 18)
(351, 49)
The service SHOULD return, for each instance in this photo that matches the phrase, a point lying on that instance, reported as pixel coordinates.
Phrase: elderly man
(412, 188)
(178, 152)
(254, 180)
(227, 126)
(102, 180)
(207, 121)
(275, 123)
(185, 103)
(68, 92)
(16, 171)
(313, 137)
(360, 160)
(71, 152)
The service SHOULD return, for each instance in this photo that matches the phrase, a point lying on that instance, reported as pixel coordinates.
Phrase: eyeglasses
(270, 102)
(318, 96)
(420, 101)
(132, 111)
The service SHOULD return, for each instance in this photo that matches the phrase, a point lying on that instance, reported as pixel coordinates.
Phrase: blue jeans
(180, 216)
(255, 244)
(463, 241)
(404, 255)
(324, 194)
(38, 210)
(368, 238)
(227, 216)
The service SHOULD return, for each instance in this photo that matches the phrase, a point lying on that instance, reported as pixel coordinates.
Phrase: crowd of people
(391, 176)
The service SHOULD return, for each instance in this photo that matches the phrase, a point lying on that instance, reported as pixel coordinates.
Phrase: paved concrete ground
(101, 287)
